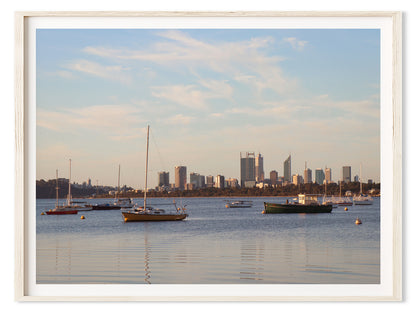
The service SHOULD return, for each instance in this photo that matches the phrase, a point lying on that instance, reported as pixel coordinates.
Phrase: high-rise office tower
(346, 174)
(210, 181)
(287, 169)
(219, 181)
(307, 175)
(247, 168)
(231, 182)
(259, 168)
(328, 175)
(195, 180)
(180, 177)
(273, 177)
(319, 176)
(297, 179)
(163, 178)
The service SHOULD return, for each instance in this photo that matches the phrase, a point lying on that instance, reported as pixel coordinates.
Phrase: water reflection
(146, 256)
(252, 258)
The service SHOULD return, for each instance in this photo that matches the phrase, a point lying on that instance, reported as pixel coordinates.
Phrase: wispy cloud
(195, 96)
(114, 121)
(114, 72)
(296, 44)
(239, 60)
(179, 119)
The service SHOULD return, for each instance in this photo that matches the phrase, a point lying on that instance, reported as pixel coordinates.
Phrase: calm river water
(214, 245)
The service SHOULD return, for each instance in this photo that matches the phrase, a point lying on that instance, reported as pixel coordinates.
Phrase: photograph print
(208, 156)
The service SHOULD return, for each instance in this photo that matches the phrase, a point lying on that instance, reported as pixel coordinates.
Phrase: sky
(207, 94)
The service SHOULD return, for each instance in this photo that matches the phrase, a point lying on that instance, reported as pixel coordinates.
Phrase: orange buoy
(82, 217)
(346, 209)
(42, 213)
(358, 221)
(125, 219)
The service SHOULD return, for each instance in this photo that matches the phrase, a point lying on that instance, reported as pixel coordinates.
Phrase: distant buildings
(356, 178)
(319, 176)
(197, 180)
(307, 175)
(259, 168)
(219, 181)
(210, 181)
(231, 182)
(346, 174)
(297, 179)
(248, 168)
(287, 169)
(274, 177)
(163, 179)
(180, 177)
(328, 175)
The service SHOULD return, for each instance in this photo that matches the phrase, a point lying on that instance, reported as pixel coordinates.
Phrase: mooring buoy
(358, 221)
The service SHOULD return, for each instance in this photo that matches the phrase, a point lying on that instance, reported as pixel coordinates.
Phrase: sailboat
(341, 200)
(147, 213)
(362, 199)
(119, 203)
(70, 207)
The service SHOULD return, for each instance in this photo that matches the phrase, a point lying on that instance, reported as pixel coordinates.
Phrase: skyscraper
(180, 177)
(219, 181)
(195, 179)
(273, 177)
(346, 174)
(163, 178)
(259, 168)
(287, 169)
(210, 181)
(319, 176)
(297, 179)
(307, 175)
(328, 175)
(247, 168)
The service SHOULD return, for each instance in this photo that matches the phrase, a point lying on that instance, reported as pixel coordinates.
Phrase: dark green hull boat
(296, 208)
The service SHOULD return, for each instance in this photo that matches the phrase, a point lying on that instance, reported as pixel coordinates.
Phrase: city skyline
(207, 95)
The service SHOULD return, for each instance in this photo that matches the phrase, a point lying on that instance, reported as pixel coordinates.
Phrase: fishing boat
(306, 203)
(239, 204)
(148, 213)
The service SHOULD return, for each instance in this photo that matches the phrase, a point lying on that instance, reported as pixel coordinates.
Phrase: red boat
(61, 212)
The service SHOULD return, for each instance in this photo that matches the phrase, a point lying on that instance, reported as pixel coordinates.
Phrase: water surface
(214, 245)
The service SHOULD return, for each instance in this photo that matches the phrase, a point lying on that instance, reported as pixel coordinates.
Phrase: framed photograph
(268, 143)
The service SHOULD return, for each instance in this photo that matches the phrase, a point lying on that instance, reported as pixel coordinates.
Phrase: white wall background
(7, 9)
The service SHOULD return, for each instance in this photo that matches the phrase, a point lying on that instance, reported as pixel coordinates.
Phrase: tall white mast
(145, 174)
(57, 188)
(118, 188)
(69, 185)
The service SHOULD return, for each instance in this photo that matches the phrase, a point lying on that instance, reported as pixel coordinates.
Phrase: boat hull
(142, 217)
(237, 206)
(296, 208)
(106, 207)
(64, 212)
(363, 203)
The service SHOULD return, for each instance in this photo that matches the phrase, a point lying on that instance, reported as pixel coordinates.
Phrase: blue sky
(208, 95)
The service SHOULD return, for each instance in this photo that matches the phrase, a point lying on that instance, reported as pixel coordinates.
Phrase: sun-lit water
(214, 245)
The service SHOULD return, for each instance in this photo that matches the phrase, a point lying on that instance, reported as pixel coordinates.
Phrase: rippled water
(214, 245)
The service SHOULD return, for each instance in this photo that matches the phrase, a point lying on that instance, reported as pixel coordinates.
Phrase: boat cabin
(308, 199)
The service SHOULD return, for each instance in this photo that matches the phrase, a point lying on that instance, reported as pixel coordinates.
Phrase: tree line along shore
(47, 189)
